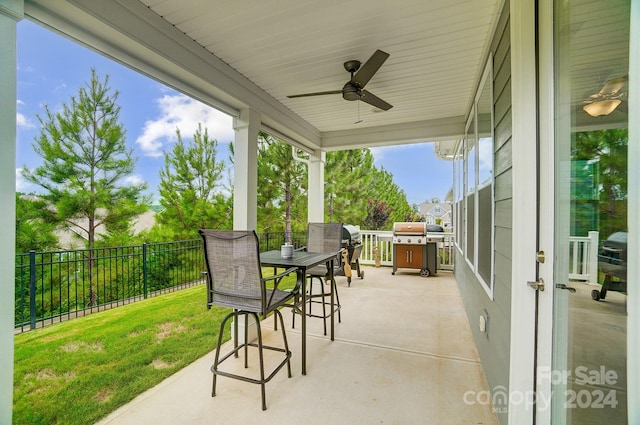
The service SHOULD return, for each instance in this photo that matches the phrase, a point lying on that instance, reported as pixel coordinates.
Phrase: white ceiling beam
(414, 132)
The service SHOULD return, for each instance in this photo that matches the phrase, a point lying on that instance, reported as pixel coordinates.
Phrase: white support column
(11, 11)
(315, 191)
(245, 182)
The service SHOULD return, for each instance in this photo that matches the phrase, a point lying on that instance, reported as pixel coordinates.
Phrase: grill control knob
(419, 240)
(408, 240)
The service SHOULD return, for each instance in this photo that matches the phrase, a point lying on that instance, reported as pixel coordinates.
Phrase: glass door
(588, 372)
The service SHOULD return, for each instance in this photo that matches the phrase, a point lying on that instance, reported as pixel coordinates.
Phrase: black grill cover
(612, 258)
(434, 228)
(350, 234)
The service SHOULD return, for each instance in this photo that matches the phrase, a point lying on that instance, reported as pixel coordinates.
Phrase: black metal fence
(59, 285)
(269, 241)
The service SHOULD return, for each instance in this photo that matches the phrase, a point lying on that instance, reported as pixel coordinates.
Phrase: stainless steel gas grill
(352, 242)
(415, 246)
(612, 261)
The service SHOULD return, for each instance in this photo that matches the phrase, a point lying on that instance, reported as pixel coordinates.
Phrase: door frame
(524, 210)
(546, 211)
(633, 191)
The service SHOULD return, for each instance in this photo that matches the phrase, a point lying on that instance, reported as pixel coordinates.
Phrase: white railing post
(593, 256)
(583, 257)
(381, 239)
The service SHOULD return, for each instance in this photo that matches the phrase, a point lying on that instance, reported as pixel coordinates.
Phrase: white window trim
(487, 78)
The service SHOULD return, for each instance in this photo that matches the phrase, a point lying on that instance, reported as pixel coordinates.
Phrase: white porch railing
(380, 239)
(583, 257)
(383, 241)
(583, 252)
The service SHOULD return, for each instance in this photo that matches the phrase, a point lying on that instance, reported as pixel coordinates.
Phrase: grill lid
(350, 234)
(615, 245)
(617, 238)
(410, 228)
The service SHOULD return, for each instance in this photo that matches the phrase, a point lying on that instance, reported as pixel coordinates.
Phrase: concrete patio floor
(403, 354)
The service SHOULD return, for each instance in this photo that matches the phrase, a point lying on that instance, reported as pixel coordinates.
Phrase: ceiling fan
(360, 76)
(607, 99)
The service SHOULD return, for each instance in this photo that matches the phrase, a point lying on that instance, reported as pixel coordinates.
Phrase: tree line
(83, 181)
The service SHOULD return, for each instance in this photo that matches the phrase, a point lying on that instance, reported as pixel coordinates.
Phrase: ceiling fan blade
(362, 77)
(374, 100)
(320, 93)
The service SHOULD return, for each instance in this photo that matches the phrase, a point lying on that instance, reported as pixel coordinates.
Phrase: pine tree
(32, 232)
(85, 163)
(190, 187)
(348, 177)
(394, 198)
(281, 182)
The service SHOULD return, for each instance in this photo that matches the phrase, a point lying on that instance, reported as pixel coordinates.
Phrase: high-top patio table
(303, 261)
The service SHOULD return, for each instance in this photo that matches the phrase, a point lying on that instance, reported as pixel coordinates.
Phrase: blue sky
(51, 69)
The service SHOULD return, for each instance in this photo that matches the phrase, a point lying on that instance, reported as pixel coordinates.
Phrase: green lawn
(79, 371)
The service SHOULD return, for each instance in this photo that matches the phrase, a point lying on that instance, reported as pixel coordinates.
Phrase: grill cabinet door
(409, 256)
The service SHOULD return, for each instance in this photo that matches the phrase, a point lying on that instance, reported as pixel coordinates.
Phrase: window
(473, 172)
(470, 164)
(458, 193)
(484, 237)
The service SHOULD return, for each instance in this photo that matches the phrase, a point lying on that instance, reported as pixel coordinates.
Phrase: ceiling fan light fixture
(601, 107)
(349, 92)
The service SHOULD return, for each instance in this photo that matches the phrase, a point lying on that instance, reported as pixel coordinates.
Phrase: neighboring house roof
(440, 210)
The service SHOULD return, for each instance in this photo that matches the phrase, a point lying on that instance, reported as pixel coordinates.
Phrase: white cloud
(180, 111)
(134, 180)
(28, 68)
(21, 120)
(22, 185)
(378, 155)
(61, 87)
(20, 181)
